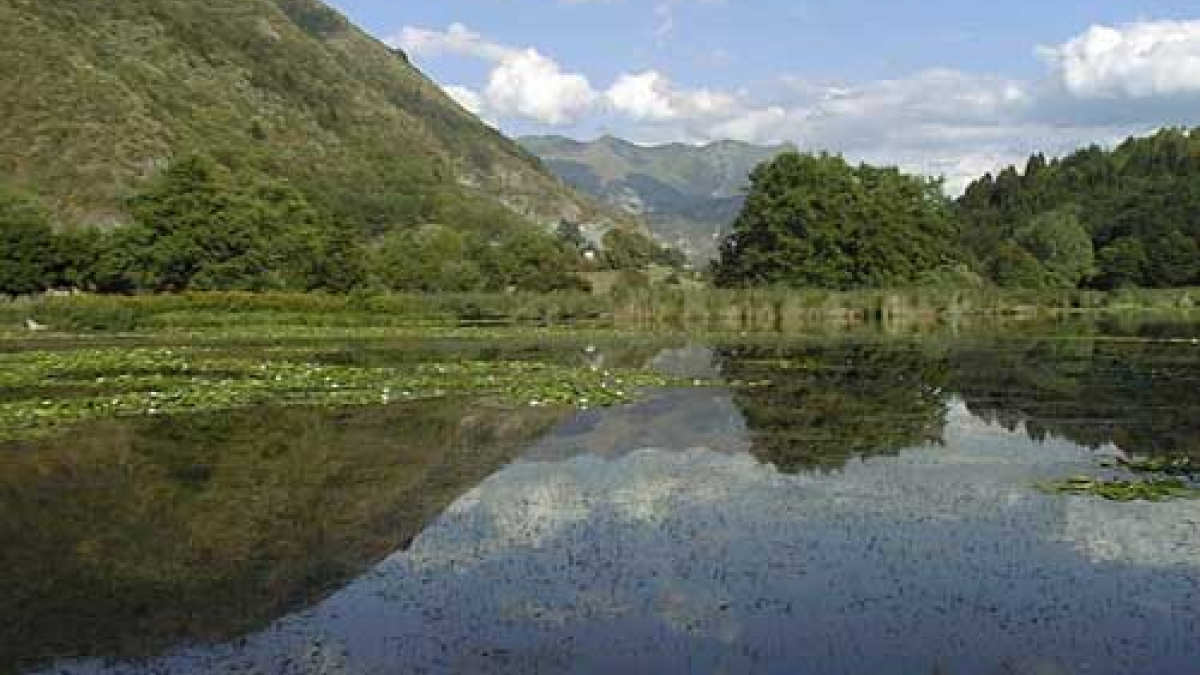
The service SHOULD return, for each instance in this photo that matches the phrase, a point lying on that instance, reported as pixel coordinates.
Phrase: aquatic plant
(1153, 490)
(1167, 466)
(50, 389)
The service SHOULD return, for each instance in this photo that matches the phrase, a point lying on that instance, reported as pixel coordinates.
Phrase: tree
(816, 221)
(570, 234)
(27, 250)
(1123, 263)
(433, 259)
(1062, 247)
(629, 250)
(76, 251)
(1136, 204)
(531, 261)
(1016, 267)
(201, 227)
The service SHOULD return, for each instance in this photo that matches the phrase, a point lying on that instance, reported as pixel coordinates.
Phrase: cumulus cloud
(650, 96)
(523, 83)
(532, 86)
(1137, 61)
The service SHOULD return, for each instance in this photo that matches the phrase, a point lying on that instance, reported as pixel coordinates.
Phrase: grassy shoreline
(777, 310)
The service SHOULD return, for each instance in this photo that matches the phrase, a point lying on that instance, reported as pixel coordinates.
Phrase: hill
(96, 97)
(689, 195)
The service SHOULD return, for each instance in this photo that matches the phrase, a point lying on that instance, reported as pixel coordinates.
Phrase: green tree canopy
(816, 221)
(200, 227)
(27, 248)
(629, 250)
(1061, 245)
(1136, 204)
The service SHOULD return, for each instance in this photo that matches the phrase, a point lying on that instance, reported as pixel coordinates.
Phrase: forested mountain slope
(97, 96)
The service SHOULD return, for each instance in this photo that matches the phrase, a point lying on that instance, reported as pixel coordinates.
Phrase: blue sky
(934, 86)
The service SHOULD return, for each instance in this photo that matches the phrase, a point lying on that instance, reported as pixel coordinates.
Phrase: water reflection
(1141, 395)
(127, 538)
(817, 406)
(846, 507)
(935, 559)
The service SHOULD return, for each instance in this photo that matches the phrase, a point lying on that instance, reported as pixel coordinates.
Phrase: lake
(843, 503)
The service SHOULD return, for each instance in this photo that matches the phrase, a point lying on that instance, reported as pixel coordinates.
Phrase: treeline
(203, 227)
(1096, 219)
(1104, 219)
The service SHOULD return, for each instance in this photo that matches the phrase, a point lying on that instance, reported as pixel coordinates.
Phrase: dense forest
(1095, 219)
(203, 227)
(1106, 219)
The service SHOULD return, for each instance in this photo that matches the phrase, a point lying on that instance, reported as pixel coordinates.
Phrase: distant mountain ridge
(689, 195)
(96, 96)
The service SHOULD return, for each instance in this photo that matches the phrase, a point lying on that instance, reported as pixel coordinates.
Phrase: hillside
(689, 195)
(1100, 218)
(97, 96)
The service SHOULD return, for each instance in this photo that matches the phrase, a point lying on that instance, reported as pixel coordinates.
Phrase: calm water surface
(852, 506)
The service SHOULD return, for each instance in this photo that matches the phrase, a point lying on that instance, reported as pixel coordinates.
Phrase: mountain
(689, 195)
(97, 96)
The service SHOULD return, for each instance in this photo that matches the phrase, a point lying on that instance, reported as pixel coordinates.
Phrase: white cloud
(532, 86)
(1135, 61)
(523, 83)
(650, 96)
(1100, 86)
(457, 39)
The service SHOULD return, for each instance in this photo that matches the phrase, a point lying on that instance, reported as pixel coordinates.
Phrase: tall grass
(221, 310)
(788, 310)
(759, 310)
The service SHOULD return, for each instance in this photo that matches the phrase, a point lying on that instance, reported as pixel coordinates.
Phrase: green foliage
(1061, 246)
(571, 235)
(27, 252)
(200, 227)
(1015, 267)
(816, 221)
(1135, 205)
(629, 250)
(431, 259)
(438, 259)
(531, 261)
(66, 387)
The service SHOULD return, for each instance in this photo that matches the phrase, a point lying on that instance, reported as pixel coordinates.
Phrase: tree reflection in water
(125, 538)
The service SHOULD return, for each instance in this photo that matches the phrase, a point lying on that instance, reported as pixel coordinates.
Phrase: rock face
(689, 195)
(97, 96)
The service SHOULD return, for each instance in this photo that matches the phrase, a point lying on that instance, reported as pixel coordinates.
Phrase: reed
(746, 310)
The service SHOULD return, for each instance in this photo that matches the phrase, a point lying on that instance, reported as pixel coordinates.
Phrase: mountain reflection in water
(842, 509)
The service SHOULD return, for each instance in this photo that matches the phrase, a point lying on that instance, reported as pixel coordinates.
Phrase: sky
(938, 87)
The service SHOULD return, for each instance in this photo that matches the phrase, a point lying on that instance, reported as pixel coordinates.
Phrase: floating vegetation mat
(1167, 466)
(43, 391)
(1150, 490)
